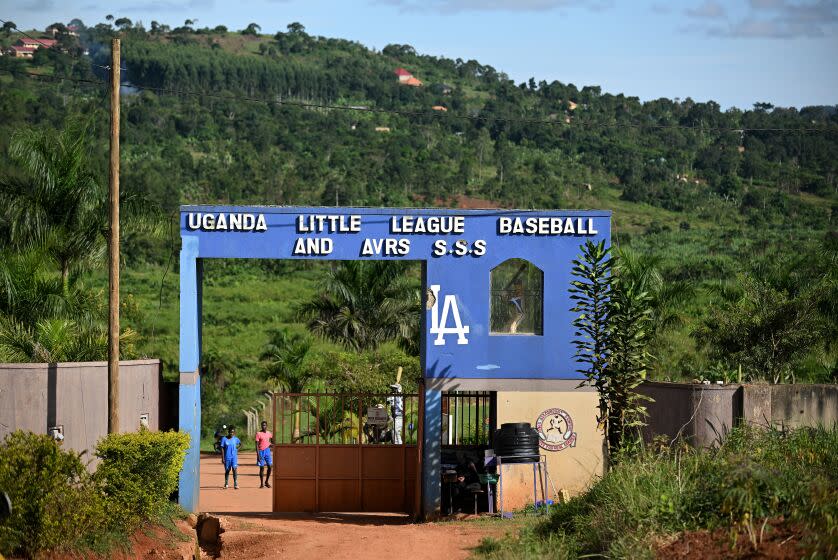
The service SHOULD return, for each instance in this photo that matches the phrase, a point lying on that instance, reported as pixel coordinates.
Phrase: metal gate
(346, 452)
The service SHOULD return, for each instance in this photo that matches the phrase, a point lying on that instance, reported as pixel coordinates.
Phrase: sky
(734, 52)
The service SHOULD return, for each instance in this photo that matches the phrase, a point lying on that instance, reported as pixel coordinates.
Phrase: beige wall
(572, 468)
(75, 396)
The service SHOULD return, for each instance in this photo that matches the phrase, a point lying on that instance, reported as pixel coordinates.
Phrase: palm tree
(53, 202)
(286, 353)
(30, 293)
(58, 340)
(667, 297)
(363, 304)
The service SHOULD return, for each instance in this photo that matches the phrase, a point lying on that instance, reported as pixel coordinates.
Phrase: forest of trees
(726, 211)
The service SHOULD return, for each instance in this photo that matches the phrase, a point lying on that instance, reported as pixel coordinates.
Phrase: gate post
(189, 397)
(431, 454)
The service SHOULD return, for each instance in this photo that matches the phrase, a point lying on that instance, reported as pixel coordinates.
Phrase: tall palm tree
(286, 353)
(53, 223)
(362, 304)
(55, 201)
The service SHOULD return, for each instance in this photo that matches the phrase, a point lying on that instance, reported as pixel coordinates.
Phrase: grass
(753, 476)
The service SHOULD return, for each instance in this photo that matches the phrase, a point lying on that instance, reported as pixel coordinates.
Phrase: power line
(52, 78)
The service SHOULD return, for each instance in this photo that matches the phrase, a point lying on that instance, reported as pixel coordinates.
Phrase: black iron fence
(381, 418)
(467, 419)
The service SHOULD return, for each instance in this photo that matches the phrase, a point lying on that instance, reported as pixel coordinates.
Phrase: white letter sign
(439, 327)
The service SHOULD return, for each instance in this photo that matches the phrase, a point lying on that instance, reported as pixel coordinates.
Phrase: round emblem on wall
(555, 430)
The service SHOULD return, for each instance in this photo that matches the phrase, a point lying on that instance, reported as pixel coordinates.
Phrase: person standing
(396, 402)
(264, 439)
(230, 457)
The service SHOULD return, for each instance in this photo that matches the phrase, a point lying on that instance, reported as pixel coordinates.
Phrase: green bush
(754, 475)
(138, 473)
(55, 504)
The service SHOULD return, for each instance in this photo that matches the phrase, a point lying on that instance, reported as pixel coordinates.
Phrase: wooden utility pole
(113, 248)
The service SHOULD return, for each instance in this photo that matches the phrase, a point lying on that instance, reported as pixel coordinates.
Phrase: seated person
(468, 482)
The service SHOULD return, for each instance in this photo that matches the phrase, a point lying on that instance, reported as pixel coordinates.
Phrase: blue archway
(458, 248)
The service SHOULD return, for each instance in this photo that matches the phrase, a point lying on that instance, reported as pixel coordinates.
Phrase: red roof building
(403, 75)
(18, 51)
(35, 43)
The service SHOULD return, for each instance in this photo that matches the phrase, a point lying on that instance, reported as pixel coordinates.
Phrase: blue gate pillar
(431, 456)
(189, 398)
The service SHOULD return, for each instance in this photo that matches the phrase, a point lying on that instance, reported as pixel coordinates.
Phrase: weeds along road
(252, 532)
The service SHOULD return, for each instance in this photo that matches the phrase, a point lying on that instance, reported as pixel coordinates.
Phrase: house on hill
(18, 51)
(26, 47)
(407, 78)
(403, 74)
(35, 43)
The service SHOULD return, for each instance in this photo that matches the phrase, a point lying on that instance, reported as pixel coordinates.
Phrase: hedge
(138, 473)
(58, 506)
(55, 502)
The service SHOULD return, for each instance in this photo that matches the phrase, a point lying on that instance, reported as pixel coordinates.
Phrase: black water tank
(517, 442)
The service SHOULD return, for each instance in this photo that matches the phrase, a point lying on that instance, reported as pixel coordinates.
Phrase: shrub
(55, 504)
(138, 473)
(755, 475)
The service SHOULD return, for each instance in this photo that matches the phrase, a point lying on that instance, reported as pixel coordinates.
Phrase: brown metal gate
(330, 455)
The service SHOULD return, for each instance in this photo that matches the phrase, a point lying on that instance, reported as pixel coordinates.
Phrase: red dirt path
(252, 532)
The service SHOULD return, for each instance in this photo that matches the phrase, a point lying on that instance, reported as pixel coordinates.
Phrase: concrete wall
(75, 395)
(791, 405)
(701, 414)
(572, 468)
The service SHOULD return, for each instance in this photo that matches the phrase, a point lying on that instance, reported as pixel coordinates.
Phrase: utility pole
(113, 248)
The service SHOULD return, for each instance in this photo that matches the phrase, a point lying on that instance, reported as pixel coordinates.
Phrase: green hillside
(706, 197)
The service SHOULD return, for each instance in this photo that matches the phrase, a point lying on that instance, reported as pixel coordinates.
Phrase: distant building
(382, 129)
(407, 78)
(439, 108)
(35, 43)
(403, 74)
(26, 47)
(571, 105)
(18, 51)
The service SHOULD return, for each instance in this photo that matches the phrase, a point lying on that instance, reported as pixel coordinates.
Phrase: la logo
(440, 327)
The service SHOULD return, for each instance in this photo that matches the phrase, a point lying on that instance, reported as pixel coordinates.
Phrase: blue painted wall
(466, 278)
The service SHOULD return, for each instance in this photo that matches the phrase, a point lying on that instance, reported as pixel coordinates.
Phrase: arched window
(517, 300)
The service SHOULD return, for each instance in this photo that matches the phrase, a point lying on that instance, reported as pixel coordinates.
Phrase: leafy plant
(55, 503)
(591, 293)
(138, 473)
(363, 304)
(613, 332)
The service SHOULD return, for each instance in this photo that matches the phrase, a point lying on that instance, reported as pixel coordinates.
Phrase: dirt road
(253, 533)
